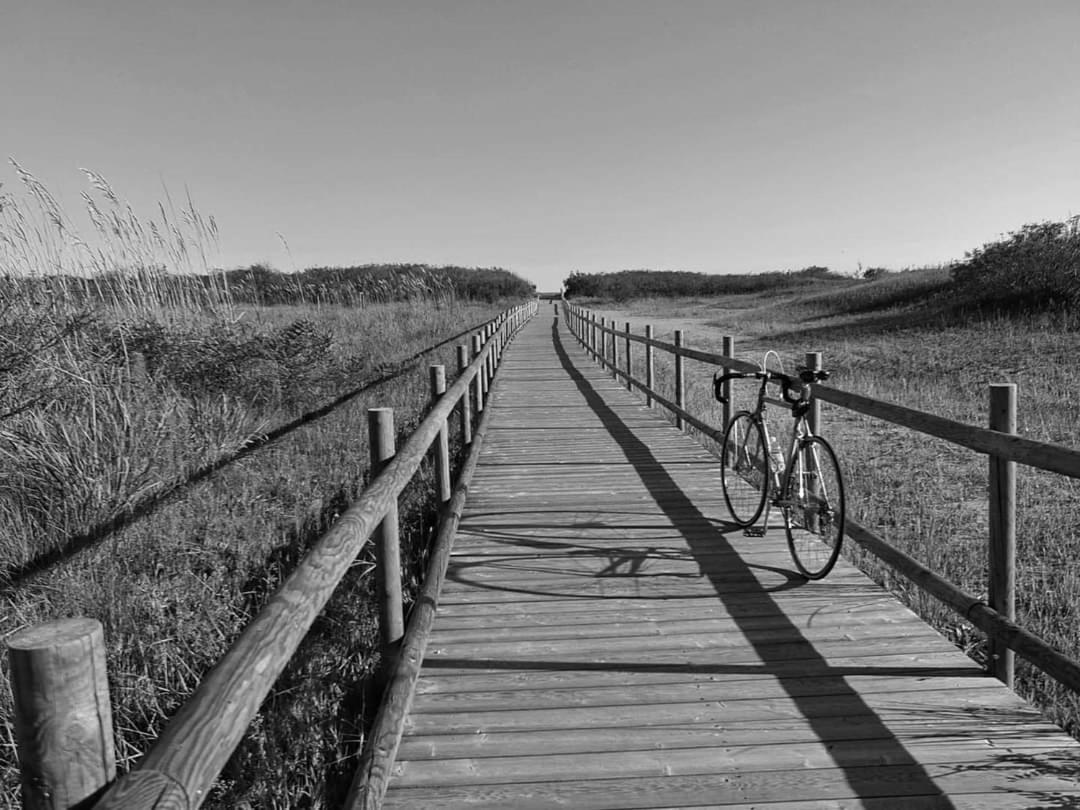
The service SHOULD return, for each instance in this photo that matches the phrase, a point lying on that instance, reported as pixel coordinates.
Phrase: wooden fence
(62, 711)
(996, 615)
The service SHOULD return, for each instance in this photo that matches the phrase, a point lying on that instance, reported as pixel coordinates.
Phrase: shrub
(871, 273)
(626, 284)
(1037, 267)
(263, 367)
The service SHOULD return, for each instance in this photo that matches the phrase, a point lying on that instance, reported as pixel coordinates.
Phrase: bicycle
(809, 493)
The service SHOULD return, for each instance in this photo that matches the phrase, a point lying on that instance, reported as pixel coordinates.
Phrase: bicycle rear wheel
(813, 507)
(744, 473)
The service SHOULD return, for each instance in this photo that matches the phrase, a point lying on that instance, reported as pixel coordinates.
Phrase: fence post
(1002, 575)
(489, 369)
(726, 407)
(388, 547)
(592, 331)
(442, 443)
(629, 363)
(603, 342)
(479, 378)
(680, 384)
(649, 374)
(614, 352)
(812, 360)
(62, 715)
(466, 403)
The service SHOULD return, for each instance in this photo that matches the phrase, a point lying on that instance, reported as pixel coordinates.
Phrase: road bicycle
(805, 484)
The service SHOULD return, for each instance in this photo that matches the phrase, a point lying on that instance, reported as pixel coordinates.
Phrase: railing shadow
(704, 541)
(15, 576)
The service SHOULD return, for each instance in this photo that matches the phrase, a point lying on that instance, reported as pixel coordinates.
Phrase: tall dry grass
(121, 383)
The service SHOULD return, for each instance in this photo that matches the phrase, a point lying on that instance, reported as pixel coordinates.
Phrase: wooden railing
(995, 616)
(63, 720)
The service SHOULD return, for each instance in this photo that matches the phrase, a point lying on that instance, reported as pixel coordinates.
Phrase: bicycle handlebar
(806, 376)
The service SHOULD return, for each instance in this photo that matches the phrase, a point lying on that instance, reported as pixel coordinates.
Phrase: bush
(269, 368)
(627, 284)
(872, 273)
(1035, 267)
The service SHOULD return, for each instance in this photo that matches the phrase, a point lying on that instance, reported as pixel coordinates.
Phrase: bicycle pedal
(754, 531)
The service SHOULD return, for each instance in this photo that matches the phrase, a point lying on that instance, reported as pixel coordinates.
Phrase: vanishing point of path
(606, 639)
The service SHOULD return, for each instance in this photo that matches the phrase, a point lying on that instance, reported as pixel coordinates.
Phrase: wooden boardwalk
(606, 639)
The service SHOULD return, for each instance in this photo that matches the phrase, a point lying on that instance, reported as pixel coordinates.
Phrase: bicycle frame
(803, 480)
(778, 470)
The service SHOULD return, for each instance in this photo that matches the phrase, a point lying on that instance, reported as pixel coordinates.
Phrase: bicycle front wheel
(744, 473)
(813, 507)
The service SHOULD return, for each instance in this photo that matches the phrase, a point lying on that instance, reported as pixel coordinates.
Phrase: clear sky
(546, 136)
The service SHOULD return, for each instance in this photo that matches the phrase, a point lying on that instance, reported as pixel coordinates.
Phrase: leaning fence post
(479, 378)
(629, 365)
(387, 549)
(728, 350)
(466, 404)
(62, 715)
(649, 374)
(680, 386)
(489, 360)
(812, 360)
(442, 443)
(1002, 574)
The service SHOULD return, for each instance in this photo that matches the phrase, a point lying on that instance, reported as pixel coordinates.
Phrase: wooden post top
(53, 633)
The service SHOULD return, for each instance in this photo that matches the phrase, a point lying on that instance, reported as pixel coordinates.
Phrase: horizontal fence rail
(195, 745)
(993, 616)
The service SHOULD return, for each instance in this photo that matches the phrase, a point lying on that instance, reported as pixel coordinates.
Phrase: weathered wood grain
(62, 715)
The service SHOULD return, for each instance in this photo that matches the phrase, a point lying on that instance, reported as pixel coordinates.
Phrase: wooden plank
(769, 658)
(878, 629)
(783, 754)
(914, 665)
(597, 626)
(801, 608)
(643, 716)
(1025, 784)
(982, 726)
(694, 690)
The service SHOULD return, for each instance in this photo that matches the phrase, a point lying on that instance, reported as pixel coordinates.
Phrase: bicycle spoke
(813, 507)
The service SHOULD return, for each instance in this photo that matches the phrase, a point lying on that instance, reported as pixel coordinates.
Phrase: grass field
(171, 445)
(905, 338)
(174, 585)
